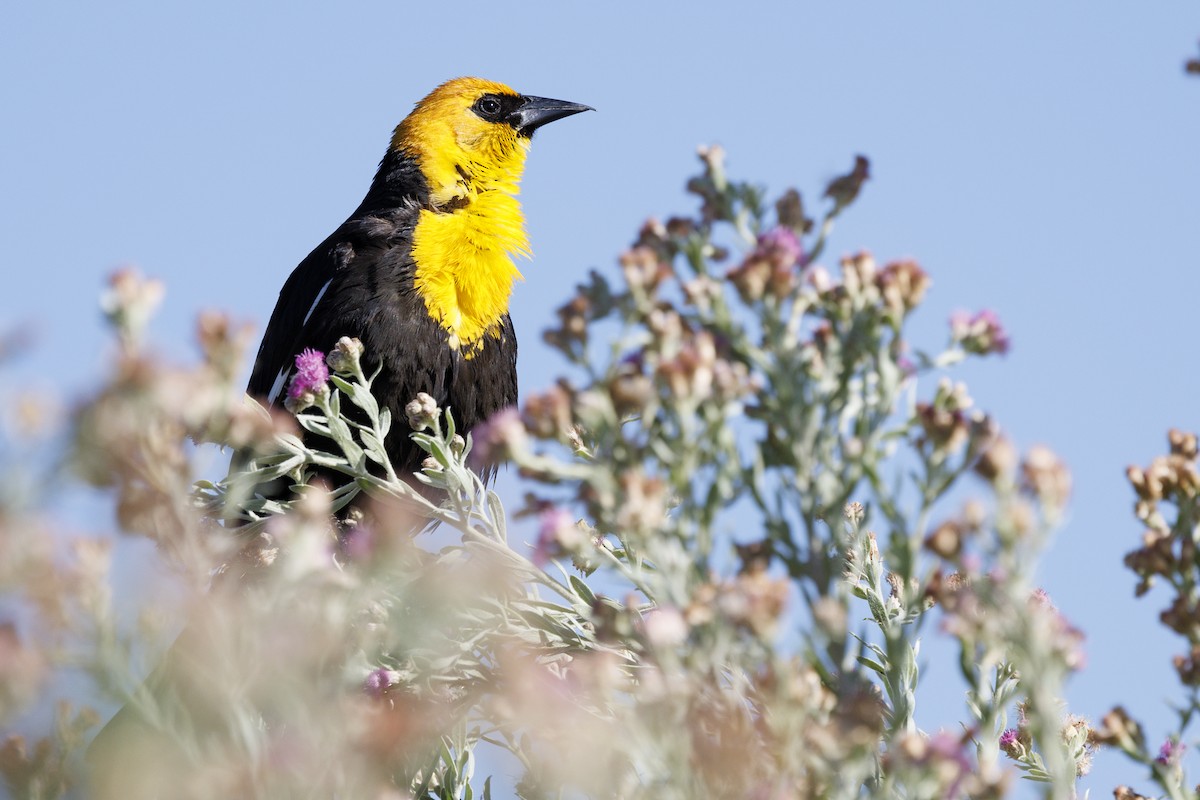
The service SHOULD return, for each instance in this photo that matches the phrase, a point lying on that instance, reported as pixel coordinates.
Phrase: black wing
(359, 283)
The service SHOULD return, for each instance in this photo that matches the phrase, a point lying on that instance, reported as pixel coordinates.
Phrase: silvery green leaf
(496, 510)
(874, 666)
(582, 589)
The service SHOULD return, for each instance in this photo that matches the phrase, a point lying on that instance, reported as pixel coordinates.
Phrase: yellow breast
(464, 267)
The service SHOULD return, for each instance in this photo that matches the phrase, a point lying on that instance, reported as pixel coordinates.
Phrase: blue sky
(1036, 158)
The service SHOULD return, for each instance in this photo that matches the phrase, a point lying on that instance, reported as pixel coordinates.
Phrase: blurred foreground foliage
(749, 497)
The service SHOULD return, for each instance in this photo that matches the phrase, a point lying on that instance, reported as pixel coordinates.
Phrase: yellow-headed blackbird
(422, 270)
(421, 273)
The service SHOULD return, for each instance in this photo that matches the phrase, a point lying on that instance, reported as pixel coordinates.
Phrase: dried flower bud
(1119, 729)
(701, 292)
(946, 540)
(1188, 667)
(981, 333)
(947, 430)
(345, 356)
(750, 279)
(422, 412)
(690, 374)
(571, 335)
(1156, 556)
(1046, 476)
(732, 380)
(789, 210)
(903, 285)
(998, 462)
(858, 277)
(221, 343)
(654, 235)
(643, 269)
(713, 156)
(548, 415)
(843, 190)
(1137, 479)
(666, 325)
(770, 268)
(1182, 616)
(680, 227)
(130, 301)
(1182, 443)
(630, 390)
(854, 513)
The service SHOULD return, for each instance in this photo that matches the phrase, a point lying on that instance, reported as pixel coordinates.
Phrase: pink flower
(1170, 752)
(311, 374)
(781, 246)
(309, 382)
(770, 268)
(379, 681)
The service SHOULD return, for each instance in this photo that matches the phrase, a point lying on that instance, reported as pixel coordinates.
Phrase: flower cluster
(980, 333)
(757, 457)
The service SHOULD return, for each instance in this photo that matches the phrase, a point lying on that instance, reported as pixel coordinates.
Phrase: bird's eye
(488, 106)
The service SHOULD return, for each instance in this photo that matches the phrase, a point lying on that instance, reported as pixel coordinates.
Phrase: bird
(423, 269)
(421, 273)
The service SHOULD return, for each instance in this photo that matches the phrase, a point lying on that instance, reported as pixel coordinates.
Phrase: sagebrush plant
(750, 496)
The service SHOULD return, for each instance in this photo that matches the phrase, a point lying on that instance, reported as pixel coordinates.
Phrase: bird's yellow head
(470, 135)
(469, 138)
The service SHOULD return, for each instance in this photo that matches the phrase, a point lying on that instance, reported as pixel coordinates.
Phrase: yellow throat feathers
(463, 245)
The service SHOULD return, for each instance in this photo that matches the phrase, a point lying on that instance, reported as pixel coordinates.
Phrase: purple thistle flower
(378, 681)
(1170, 752)
(1008, 738)
(309, 382)
(781, 246)
(311, 374)
(770, 268)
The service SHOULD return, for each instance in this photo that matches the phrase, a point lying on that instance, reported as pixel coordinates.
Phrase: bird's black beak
(538, 111)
